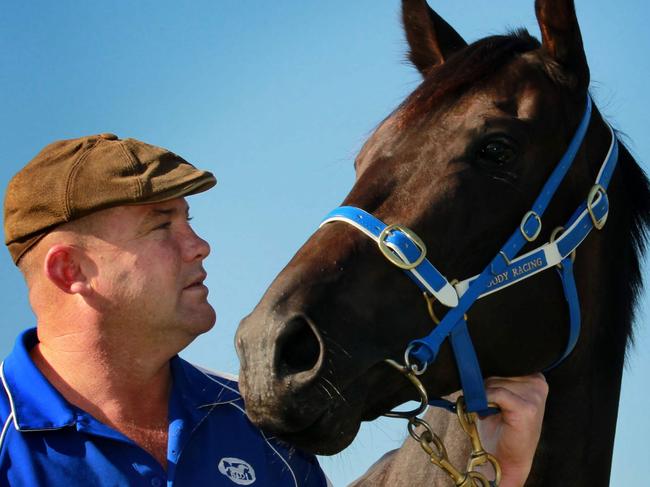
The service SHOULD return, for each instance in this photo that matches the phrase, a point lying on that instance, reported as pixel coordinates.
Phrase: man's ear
(63, 268)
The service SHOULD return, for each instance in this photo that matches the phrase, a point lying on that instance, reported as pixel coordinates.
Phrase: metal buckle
(523, 222)
(595, 190)
(390, 254)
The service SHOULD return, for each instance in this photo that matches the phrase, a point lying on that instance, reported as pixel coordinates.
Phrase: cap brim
(202, 182)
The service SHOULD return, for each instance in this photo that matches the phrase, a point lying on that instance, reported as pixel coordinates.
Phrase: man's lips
(197, 282)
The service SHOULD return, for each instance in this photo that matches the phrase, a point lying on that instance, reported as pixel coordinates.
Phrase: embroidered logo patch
(237, 470)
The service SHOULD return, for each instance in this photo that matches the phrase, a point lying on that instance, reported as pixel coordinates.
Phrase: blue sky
(275, 98)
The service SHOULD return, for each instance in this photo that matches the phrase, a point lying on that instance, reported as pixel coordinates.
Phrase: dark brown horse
(460, 162)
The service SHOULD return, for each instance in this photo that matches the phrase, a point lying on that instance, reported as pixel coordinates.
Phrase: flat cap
(72, 178)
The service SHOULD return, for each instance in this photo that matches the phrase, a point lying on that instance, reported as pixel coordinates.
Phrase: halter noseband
(405, 250)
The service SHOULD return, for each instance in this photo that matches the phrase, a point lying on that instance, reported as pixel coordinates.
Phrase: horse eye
(496, 153)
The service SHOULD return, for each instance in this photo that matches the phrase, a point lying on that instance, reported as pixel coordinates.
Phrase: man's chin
(200, 321)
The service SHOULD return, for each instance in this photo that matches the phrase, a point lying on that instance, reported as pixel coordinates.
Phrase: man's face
(148, 276)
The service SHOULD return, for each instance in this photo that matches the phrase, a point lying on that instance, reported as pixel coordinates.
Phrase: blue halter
(404, 249)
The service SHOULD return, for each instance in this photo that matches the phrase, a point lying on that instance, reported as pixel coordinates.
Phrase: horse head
(459, 162)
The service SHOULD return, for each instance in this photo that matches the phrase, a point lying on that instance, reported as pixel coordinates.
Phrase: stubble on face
(148, 276)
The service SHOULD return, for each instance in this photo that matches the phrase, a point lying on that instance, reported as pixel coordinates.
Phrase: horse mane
(633, 242)
(465, 68)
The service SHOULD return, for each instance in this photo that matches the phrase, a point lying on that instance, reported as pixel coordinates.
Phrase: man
(96, 394)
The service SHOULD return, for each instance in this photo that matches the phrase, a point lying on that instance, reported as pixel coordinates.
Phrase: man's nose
(195, 247)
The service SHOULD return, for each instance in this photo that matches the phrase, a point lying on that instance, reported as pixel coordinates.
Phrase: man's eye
(164, 226)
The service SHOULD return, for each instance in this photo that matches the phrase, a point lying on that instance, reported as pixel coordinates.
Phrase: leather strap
(425, 275)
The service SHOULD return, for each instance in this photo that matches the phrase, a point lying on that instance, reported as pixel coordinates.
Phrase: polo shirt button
(156, 482)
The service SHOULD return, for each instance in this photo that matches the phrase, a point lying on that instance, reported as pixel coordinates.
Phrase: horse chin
(326, 425)
(336, 427)
(331, 433)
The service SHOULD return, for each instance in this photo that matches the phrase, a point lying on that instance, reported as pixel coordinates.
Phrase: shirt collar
(37, 405)
(199, 388)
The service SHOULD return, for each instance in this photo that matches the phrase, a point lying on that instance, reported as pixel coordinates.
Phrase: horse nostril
(298, 348)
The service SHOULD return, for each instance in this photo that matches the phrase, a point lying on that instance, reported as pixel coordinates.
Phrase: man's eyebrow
(155, 213)
(164, 211)
(172, 211)
(159, 211)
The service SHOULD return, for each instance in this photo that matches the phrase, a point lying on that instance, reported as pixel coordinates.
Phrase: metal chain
(431, 442)
(433, 446)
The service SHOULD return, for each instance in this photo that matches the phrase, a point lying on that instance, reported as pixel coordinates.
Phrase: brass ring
(465, 418)
(486, 458)
(433, 439)
(554, 234)
(424, 397)
(430, 300)
(415, 422)
(481, 479)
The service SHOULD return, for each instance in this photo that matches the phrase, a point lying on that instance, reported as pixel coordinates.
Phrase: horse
(459, 162)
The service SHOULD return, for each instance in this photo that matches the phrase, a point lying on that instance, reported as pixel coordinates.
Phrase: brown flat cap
(72, 178)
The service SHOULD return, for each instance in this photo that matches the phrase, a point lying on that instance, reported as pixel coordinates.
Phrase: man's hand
(512, 436)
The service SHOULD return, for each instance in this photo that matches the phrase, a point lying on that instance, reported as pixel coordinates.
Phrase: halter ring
(596, 190)
(554, 234)
(412, 377)
(392, 256)
(413, 367)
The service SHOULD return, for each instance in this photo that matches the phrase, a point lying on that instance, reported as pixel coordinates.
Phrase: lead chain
(479, 456)
(431, 442)
(433, 446)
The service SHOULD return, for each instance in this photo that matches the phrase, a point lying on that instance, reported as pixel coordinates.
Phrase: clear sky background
(276, 99)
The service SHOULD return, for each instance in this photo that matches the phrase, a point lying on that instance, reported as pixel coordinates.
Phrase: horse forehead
(519, 91)
(523, 102)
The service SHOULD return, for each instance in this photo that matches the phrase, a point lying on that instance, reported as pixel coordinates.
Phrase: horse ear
(431, 39)
(561, 38)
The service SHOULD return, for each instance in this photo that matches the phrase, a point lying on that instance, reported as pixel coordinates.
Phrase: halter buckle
(392, 256)
(524, 221)
(594, 192)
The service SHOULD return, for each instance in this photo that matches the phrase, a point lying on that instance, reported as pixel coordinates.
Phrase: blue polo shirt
(46, 441)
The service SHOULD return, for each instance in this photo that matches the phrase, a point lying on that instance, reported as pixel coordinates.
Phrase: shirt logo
(237, 470)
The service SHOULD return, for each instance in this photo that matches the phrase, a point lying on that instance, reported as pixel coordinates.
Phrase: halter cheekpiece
(405, 249)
